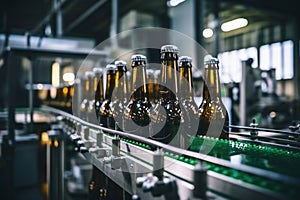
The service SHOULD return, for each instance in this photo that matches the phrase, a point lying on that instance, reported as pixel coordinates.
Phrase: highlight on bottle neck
(169, 71)
(139, 76)
(88, 76)
(212, 80)
(121, 78)
(110, 72)
(185, 81)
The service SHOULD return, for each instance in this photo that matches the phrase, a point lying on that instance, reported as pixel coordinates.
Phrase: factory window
(288, 59)
(264, 57)
(231, 63)
(278, 56)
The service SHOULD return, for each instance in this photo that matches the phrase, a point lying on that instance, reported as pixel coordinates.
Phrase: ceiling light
(173, 3)
(207, 33)
(69, 77)
(55, 74)
(234, 24)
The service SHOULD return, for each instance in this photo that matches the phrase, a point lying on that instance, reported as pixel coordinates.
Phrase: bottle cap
(138, 57)
(110, 67)
(121, 64)
(208, 59)
(183, 59)
(169, 48)
(98, 70)
(89, 74)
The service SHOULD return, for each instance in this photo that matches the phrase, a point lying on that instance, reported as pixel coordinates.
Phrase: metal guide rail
(150, 169)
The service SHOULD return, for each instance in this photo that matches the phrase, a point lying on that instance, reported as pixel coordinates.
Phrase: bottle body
(99, 94)
(137, 112)
(86, 95)
(166, 116)
(189, 108)
(213, 115)
(119, 97)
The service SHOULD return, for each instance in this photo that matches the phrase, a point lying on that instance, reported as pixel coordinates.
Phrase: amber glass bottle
(119, 97)
(137, 113)
(85, 95)
(189, 108)
(90, 99)
(166, 116)
(99, 94)
(110, 84)
(214, 118)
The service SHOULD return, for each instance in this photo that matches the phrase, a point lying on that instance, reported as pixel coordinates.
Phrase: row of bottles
(163, 110)
(58, 97)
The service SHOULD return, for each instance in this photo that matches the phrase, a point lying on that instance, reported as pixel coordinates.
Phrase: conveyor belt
(226, 178)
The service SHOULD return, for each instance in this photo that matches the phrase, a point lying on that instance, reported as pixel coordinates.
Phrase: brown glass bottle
(85, 95)
(189, 108)
(166, 116)
(90, 99)
(119, 97)
(137, 113)
(70, 96)
(110, 84)
(99, 94)
(213, 116)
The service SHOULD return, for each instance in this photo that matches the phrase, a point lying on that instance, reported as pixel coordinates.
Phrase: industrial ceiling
(92, 18)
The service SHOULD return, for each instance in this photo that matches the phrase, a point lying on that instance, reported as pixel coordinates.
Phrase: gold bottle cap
(169, 48)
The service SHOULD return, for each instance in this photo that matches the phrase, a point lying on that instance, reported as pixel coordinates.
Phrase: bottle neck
(186, 82)
(110, 83)
(98, 87)
(169, 78)
(212, 86)
(139, 82)
(90, 88)
(120, 86)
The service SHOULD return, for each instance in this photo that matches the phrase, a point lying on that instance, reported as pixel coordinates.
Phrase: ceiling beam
(86, 14)
(47, 18)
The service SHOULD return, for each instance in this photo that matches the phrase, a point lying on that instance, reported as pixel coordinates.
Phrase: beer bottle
(166, 116)
(189, 108)
(70, 96)
(137, 119)
(119, 97)
(90, 93)
(85, 95)
(213, 116)
(110, 83)
(99, 95)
